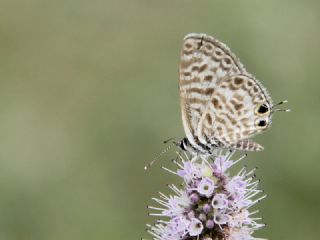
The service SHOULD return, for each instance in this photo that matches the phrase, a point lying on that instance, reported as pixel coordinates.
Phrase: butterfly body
(222, 104)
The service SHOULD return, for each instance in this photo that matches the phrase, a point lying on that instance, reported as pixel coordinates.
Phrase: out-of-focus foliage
(88, 90)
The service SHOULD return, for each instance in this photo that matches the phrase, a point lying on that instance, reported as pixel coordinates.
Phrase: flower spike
(210, 204)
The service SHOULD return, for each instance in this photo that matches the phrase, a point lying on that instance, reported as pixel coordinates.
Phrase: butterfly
(222, 105)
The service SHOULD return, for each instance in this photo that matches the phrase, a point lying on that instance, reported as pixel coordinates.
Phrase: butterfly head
(185, 145)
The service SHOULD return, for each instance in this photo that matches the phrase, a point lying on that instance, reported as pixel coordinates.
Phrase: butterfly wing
(237, 110)
(204, 62)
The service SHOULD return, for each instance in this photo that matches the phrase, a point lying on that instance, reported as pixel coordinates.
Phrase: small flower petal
(219, 201)
(207, 208)
(194, 197)
(221, 218)
(195, 227)
(236, 187)
(206, 187)
(189, 171)
(210, 224)
(221, 164)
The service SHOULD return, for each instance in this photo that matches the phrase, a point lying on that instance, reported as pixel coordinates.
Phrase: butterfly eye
(262, 109)
(261, 123)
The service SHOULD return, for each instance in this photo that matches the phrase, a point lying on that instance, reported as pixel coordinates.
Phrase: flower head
(210, 204)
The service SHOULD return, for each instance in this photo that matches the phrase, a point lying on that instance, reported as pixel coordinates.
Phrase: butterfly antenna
(157, 157)
(280, 103)
(280, 110)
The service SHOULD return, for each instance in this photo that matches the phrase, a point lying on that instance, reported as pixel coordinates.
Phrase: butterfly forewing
(218, 96)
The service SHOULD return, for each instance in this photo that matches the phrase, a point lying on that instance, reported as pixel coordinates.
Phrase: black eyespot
(262, 123)
(263, 109)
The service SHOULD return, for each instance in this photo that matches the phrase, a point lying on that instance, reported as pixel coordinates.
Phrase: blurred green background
(89, 89)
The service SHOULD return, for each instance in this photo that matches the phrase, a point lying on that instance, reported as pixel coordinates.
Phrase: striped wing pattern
(218, 96)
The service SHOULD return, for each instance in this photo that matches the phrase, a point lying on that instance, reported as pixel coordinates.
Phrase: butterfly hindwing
(232, 116)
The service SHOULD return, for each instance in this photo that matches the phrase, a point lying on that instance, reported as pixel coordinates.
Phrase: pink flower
(206, 187)
(207, 197)
(219, 201)
(195, 227)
